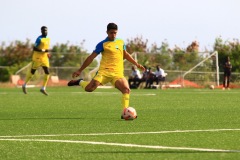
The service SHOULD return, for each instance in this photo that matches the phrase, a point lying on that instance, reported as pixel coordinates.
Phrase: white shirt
(136, 74)
(160, 73)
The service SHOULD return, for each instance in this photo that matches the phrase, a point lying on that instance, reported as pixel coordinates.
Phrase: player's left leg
(228, 80)
(122, 85)
(45, 80)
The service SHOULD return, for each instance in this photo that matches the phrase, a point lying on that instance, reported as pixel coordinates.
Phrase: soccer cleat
(122, 117)
(74, 82)
(24, 89)
(43, 92)
(223, 88)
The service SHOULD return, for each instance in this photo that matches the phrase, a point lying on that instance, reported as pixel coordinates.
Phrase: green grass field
(172, 124)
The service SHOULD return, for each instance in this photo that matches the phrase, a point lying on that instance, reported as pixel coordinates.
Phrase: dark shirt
(227, 67)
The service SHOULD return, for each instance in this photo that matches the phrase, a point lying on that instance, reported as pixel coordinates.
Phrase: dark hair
(111, 26)
(43, 27)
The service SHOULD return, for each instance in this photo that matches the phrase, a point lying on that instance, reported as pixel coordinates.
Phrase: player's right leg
(97, 80)
(122, 85)
(28, 78)
(74, 82)
(87, 86)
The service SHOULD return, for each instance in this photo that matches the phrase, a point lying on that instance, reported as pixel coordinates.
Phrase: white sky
(178, 21)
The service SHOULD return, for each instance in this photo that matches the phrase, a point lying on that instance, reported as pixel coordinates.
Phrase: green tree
(228, 48)
(18, 54)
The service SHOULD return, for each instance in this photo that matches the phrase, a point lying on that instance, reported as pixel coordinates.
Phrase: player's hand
(76, 74)
(141, 67)
(49, 55)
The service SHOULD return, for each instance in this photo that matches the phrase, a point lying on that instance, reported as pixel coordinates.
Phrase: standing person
(227, 73)
(40, 58)
(111, 67)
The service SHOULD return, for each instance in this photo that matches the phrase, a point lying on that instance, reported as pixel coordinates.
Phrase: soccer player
(227, 73)
(111, 67)
(40, 58)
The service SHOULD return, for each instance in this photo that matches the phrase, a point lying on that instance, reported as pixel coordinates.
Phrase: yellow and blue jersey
(112, 56)
(41, 43)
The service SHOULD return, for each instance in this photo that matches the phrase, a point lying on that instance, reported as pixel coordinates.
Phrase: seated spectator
(144, 74)
(135, 78)
(159, 75)
(150, 78)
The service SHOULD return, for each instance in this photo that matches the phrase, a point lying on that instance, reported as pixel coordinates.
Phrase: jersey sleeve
(38, 40)
(99, 48)
(124, 46)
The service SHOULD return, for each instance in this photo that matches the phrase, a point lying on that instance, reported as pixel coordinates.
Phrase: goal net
(204, 73)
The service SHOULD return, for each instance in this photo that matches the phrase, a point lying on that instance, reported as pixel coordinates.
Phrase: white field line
(127, 133)
(107, 93)
(122, 145)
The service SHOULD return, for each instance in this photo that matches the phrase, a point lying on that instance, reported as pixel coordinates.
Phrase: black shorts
(227, 73)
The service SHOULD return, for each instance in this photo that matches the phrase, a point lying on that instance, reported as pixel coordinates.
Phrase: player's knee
(90, 87)
(46, 70)
(33, 71)
(126, 90)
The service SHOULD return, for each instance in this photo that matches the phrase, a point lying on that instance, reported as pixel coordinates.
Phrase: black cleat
(74, 82)
(24, 89)
(43, 92)
(122, 117)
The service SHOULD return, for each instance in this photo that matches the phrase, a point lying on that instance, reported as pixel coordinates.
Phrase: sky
(179, 22)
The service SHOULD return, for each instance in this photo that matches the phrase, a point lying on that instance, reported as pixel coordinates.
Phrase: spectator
(144, 74)
(135, 78)
(159, 75)
(150, 78)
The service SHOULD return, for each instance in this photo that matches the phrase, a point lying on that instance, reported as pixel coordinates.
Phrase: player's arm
(86, 63)
(129, 58)
(41, 50)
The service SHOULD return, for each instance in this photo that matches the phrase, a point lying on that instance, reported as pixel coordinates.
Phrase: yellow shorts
(104, 79)
(39, 60)
(40, 63)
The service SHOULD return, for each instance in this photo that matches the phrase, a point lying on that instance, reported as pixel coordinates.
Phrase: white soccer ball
(211, 86)
(129, 113)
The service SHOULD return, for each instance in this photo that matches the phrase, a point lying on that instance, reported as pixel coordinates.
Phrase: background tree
(18, 54)
(228, 48)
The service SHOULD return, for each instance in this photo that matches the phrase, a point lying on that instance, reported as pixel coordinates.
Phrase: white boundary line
(96, 92)
(123, 145)
(127, 133)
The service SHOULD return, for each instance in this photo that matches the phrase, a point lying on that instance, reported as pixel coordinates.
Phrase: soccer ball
(129, 113)
(211, 86)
